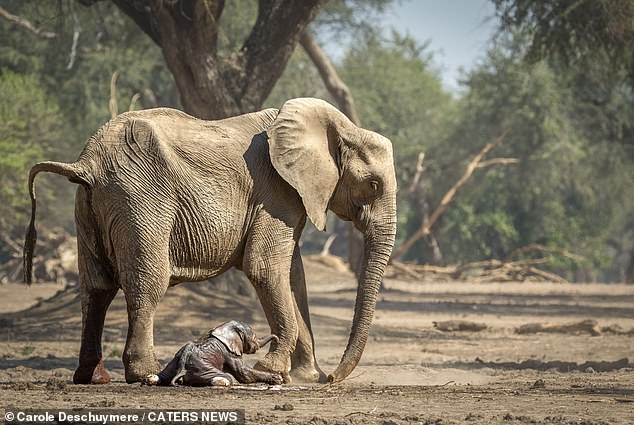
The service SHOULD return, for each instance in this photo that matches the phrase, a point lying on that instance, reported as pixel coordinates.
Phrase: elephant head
(240, 338)
(333, 164)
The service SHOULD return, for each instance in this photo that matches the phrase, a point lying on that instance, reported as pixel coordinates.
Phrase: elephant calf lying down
(216, 359)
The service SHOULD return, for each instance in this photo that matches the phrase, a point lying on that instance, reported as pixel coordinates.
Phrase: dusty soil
(411, 372)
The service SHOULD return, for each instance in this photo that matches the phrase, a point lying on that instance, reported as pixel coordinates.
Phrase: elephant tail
(76, 174)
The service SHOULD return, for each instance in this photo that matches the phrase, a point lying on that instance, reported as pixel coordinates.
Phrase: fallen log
(585, 326)
(479, 271)
(459, 325)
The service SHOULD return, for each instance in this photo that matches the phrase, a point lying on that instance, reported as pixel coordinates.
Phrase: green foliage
(115, 353)
(51, 108)
(577, 32)
(399, 94)
(29, 122)
(27, 350)
(573, 170)
(352, 17)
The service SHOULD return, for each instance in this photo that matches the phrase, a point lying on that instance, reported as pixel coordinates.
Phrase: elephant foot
(308, 375)
(138, 370)
(92, 375)
(274, 364)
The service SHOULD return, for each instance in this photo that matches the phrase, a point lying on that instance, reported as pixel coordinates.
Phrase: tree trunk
(212, 86)
(629, 273)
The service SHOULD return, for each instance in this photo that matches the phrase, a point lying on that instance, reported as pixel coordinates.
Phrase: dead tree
(26, 24)
(476, 163)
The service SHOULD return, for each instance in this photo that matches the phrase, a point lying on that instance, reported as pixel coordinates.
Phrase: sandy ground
(411, 372)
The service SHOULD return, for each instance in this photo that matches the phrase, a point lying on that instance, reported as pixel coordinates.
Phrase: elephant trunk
(378, 244)
(266, 339)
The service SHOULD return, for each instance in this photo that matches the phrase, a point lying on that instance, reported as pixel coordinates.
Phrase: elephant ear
(229, 336)
(304, 147)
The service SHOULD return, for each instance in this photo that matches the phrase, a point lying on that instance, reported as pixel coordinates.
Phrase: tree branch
(140, 12)
(211, 86)
(335, 85)
(419, 171)
(270, 44)
(325, 250)
(112, 103)
(27, 25)
(479, 271)
(497, 161)
(76, 31)
(425, 228)
(535, 247)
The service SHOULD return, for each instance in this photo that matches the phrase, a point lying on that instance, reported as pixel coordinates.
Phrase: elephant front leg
(267, 263)
(304, 367)
(277, 302)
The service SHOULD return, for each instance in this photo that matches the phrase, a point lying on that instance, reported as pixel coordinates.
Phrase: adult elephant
(164, 198)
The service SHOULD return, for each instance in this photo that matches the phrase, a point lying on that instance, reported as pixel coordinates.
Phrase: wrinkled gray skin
(165, 198)
(217, 355)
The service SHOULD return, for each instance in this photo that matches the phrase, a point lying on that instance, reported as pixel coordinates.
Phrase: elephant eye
(375, 185)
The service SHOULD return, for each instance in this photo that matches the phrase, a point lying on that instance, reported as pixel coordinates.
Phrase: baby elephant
(216, 359)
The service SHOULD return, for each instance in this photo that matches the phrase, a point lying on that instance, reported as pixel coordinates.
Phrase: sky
(459, 31)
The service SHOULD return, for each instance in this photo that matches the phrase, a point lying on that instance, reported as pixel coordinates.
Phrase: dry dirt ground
(411, 372)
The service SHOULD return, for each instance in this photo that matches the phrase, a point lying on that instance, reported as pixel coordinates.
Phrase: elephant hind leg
(143, 266)
(304, 367)
(143, 291)
(91, 369)
(97, 289)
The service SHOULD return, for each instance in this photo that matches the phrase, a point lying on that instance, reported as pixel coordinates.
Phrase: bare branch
(76, 32)
(543, 248)
(326, 249)
(479, 271)
(498, 161)
(135, 98)
(403, 268)
(335, 85)
(552, 277)
(140, 13)
(425, 228)
(27, 25)
(15, 246)
(479, 265)
(419, 171)
(271, 43)
(588, 326)
(112, 104)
